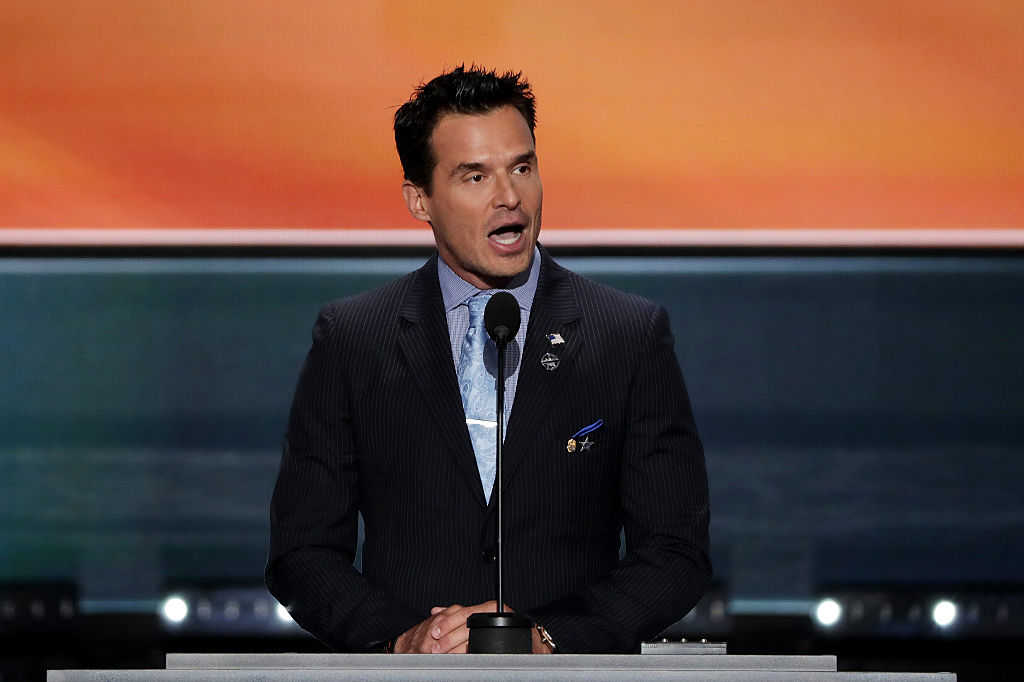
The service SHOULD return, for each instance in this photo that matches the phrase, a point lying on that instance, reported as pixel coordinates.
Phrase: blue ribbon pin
(589, 429)
(570, 446)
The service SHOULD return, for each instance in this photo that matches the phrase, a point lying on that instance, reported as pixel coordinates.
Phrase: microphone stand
(500, 414)
(500, 632)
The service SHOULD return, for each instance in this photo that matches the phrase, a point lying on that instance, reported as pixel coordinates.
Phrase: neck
(484, 282)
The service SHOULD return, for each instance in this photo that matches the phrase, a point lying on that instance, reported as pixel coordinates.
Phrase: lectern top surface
(495, 674)
(502, 661)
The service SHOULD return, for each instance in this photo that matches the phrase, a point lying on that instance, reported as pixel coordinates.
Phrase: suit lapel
(425, 342)
(554, 310)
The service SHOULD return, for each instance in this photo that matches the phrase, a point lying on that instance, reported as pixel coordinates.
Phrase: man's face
(486, 198)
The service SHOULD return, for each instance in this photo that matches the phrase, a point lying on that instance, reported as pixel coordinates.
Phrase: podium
(491, 667)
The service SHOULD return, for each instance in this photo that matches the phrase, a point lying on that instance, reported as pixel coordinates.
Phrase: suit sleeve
(314, 512)
(664, 503)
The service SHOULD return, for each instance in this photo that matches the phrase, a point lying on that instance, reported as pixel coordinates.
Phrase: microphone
(501, 317)
(500, 632)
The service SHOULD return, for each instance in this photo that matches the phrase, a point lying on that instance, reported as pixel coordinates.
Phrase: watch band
(545, 636)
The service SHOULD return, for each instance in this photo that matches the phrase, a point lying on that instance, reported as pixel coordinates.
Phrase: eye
(475, 178)
(522, 170)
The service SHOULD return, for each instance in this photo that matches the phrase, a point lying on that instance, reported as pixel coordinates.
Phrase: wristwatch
(545, 636)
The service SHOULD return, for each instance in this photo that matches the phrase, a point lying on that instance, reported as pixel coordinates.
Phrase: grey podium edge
(687, 648)
(498, 661)
(490, 674)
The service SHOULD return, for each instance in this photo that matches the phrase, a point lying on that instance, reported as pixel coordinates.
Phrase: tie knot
(477, 305)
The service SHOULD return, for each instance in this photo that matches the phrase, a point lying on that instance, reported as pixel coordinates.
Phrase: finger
(445, 610)
(458, 637)
(424, 642)
(447, 623)
(446, 639)
(408, 642)
(440, 625)
(486, 607)
(455, 616)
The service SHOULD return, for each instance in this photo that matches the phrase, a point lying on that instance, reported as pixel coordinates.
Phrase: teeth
(507, 238)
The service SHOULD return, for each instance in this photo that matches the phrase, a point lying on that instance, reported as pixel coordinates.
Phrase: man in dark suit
(387, 421)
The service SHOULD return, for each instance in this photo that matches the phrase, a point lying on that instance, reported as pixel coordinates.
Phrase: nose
(506, 195)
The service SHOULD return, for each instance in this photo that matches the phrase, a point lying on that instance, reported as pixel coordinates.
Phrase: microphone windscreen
(501, 316)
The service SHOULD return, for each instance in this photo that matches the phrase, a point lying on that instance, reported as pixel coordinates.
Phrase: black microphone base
(500, 633)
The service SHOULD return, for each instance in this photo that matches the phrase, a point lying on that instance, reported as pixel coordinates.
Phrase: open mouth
(507, 234)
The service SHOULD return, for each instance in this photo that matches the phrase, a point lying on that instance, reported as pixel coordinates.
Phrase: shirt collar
(455, 291)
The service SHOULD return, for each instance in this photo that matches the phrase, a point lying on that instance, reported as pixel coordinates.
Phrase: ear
(416, 201)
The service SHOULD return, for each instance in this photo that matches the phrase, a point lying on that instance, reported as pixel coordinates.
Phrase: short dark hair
(460, 91)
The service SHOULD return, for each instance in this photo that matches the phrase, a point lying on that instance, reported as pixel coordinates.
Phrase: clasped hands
(446, 632)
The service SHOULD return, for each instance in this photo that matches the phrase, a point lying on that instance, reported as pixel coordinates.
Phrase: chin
(512, 265)
(495, 273)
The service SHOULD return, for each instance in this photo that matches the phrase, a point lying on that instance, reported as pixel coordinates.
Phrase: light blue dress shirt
(455, 291)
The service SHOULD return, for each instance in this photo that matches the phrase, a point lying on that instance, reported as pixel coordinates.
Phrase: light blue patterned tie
(477, 386)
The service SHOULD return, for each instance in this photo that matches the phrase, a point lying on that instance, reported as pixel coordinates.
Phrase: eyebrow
(467, 166)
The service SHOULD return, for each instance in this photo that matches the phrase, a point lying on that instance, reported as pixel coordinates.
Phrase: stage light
(174, 609)
(828, 612)
(282, 614)
(944, 613)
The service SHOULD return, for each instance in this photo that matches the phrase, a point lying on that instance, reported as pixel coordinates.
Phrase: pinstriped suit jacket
(377, 427)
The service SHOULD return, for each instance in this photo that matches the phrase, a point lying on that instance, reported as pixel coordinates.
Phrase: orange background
(710, 114)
